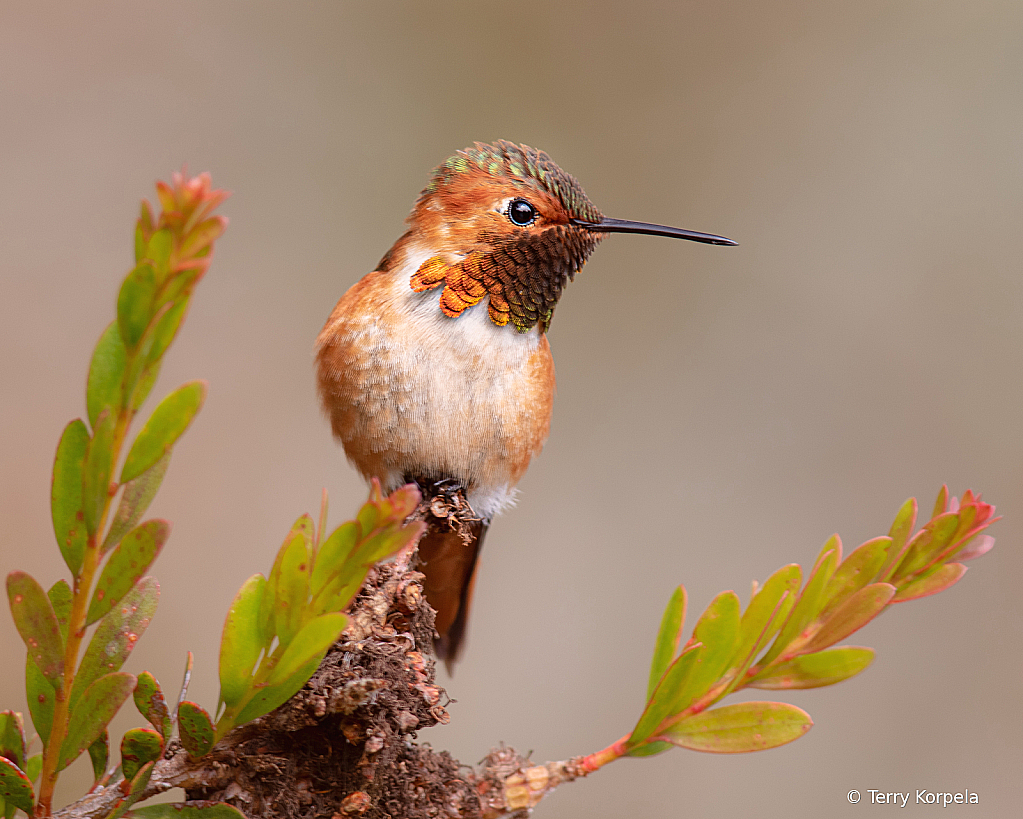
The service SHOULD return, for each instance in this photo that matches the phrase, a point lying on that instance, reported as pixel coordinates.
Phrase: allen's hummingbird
(435, 367)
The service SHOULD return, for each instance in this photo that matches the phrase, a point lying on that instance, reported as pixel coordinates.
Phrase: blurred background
(720, 411)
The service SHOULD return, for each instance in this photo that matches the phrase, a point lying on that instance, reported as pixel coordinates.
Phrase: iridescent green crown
(521, 162)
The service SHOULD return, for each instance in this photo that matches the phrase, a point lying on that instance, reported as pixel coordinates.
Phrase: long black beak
(606, 225)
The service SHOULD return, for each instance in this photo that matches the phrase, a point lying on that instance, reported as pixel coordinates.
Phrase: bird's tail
(449, 559)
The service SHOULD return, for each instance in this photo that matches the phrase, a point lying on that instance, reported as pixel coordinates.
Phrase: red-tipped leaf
(815, 670)
(95, 709)
(195, 729)
(944, 578)
(126, 566)
(152, 705)
(16, 788)
(668, 637)
(851, 616)
(736, 729)
(37, 624)
(66, 494)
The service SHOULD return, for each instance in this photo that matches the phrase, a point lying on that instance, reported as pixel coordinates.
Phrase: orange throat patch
(465, 285)
(524, 279)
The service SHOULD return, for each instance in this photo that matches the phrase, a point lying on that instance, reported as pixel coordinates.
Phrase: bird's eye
(521, 212)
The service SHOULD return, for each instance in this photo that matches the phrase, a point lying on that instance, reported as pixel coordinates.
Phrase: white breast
(437, 396)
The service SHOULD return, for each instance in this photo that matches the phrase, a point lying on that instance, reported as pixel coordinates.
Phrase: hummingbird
(435, 367)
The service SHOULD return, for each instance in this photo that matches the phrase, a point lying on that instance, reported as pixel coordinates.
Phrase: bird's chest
(411, 390)
(462, 378)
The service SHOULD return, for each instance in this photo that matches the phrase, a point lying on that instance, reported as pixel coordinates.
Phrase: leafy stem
(794, 633)
(279, 627)
(76, 629)
(72, 698)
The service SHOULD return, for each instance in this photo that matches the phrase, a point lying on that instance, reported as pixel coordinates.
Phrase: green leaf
(158, 252)
(202, 235)
(167, 328)
(331, 557)
(941, 503)
(267, 608)
(763, 616)
(291, 590)
(901, 529)
(368, 517)
(746, 659)
(310, 643)
(136, 787)
(928, 544)
(144, 385)
(168, 421)
(105, 374)
(15, 787)
(902, 526)
(98, 470)
(12, 738)
(241, 642)
(181, 285)
(129, 561)
(99, 755)
(142, 366)
(649, 749)
(815, 670)
(61, 598)
(945, 577)
(857, 570)
(135, 304)
(135, 499)
(187, 810)
(116, 636)
(833, 545)
(321, 526)
(338, 593)
(89, 719)
(382, 545)
(808, 605)
(718, 630)
(138, 747)
(662, 704)
(34, 766)
(339, 590)
(667, 638)
(746, 726)
(152, 705)
(195, 729)
(66, 494)
(40, 695)
(852, 615)
(37, 624)
(139, 782)
(967, 518)
(269, 698)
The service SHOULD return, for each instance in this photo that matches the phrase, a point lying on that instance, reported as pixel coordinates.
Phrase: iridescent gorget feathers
(524, 277)
(522, 268)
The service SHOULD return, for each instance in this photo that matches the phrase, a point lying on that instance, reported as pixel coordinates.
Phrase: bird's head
(504, 221)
